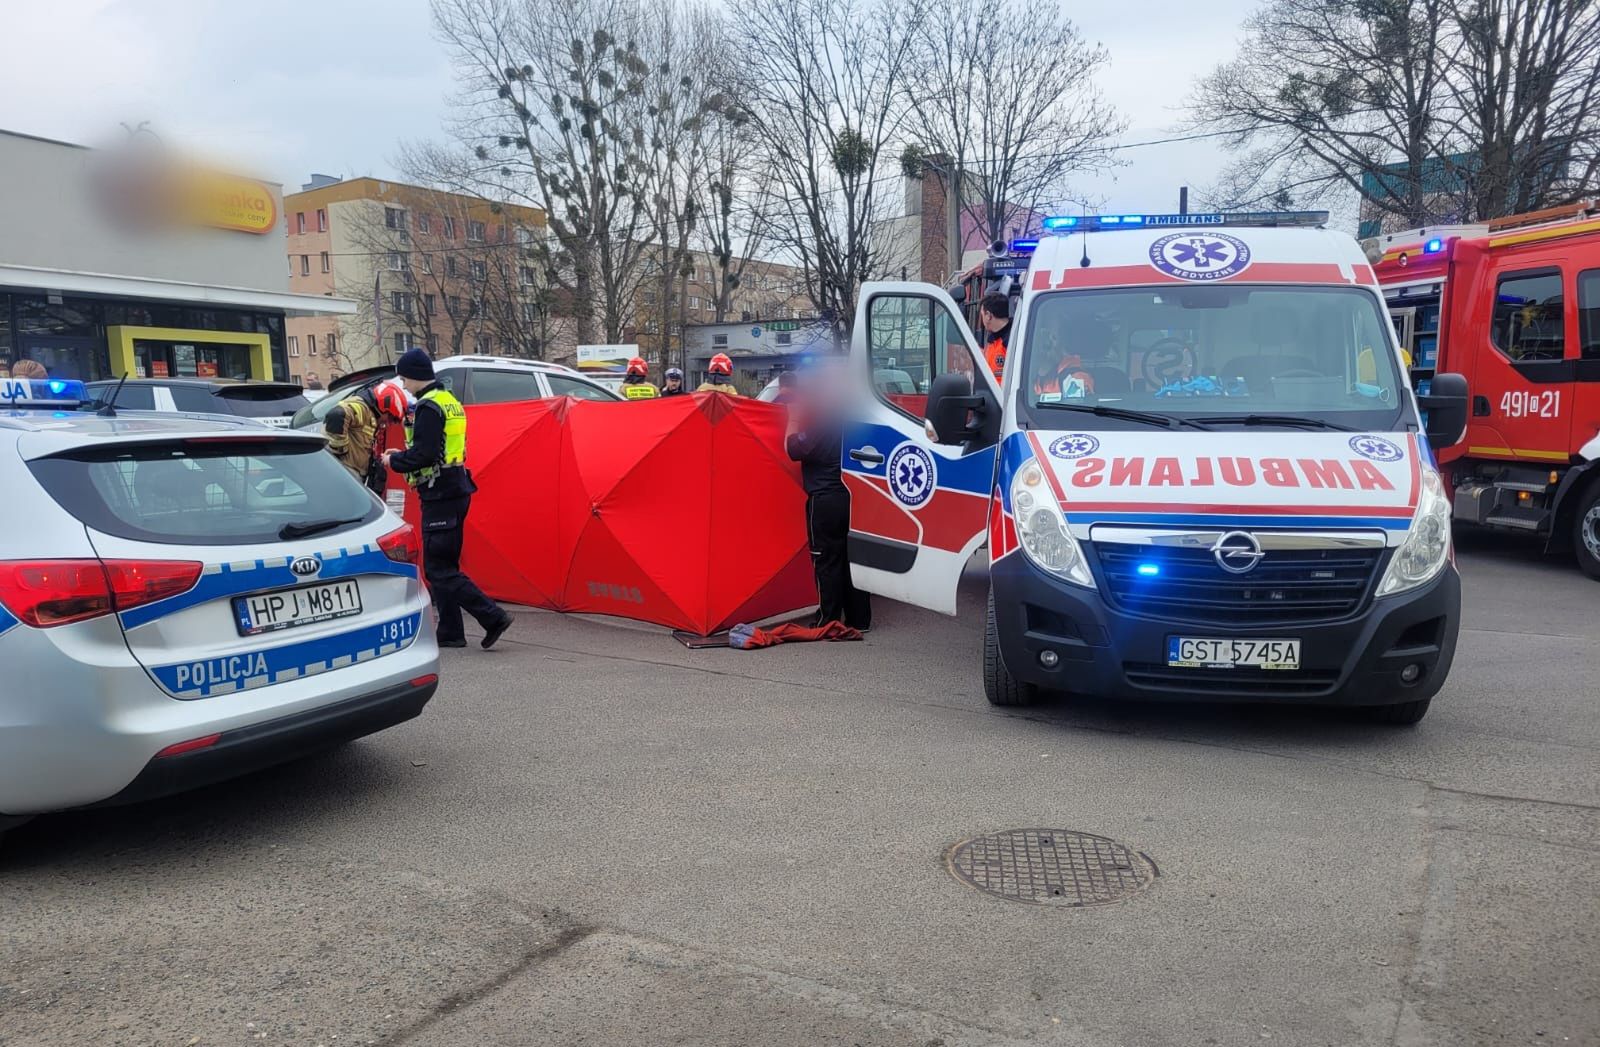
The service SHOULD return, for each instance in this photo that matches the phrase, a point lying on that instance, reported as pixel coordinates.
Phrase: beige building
(765, 290)
(447, 272)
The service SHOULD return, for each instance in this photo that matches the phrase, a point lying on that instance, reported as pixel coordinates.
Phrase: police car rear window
(205, 492)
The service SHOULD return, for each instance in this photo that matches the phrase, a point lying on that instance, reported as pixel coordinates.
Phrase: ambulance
(1204, 474)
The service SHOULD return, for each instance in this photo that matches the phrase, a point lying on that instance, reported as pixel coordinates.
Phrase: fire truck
(1514, 306)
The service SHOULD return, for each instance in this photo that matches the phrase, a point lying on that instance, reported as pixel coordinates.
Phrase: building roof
(404, 193)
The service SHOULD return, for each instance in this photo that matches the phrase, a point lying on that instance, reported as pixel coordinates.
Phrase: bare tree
(1006, 107)
(826, 104)
(1427, 110)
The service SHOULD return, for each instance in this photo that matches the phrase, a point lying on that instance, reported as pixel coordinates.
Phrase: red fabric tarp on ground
(682, 511)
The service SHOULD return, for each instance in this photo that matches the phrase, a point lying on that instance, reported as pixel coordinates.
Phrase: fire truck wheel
(999, 685)
(1586, 532)
(1405, 714)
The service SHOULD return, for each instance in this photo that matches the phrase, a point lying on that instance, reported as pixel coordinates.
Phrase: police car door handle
(867, 456)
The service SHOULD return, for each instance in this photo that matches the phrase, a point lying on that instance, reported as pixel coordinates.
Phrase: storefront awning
(70, 282)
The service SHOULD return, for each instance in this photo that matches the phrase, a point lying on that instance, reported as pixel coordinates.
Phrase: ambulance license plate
(287, 608)
(1199, 652)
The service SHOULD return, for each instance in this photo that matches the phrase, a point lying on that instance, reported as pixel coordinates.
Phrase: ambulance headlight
(1042, 529)
(1427, 546)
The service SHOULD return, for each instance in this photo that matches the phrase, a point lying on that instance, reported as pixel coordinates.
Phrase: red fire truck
(1514, 306)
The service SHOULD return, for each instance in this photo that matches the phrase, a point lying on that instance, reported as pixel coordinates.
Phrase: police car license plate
(1194, 652)
(287, 608)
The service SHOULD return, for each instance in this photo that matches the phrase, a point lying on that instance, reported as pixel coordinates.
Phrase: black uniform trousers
(443, 522)
(828, 532)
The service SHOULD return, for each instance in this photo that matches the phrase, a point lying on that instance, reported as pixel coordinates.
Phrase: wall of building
(54, 215)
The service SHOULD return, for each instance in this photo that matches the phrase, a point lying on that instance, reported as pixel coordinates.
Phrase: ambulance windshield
(1214, 351)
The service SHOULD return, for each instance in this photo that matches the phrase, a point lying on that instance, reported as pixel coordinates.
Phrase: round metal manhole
(1051, 867)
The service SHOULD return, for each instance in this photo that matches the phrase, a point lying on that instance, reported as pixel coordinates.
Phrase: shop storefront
(90, 298)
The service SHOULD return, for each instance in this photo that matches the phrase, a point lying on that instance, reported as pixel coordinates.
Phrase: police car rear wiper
(1277, 419)
(307, 528)
(1166, 421)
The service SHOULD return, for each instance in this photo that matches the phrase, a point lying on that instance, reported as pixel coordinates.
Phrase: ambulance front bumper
(1391, 650)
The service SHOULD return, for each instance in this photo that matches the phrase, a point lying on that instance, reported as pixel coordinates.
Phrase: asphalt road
(595, 836)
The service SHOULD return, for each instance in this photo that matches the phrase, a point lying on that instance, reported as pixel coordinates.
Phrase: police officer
(994, 317)
(435, 463)
(636, 386)
(674, 386)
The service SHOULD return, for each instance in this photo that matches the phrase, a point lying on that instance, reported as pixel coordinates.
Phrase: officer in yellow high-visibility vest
(435, 463)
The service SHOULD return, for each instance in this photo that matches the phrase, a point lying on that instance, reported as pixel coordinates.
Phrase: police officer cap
(414, 364)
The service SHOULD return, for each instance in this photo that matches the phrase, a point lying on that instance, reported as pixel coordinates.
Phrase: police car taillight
(400, 545)
(48, 593)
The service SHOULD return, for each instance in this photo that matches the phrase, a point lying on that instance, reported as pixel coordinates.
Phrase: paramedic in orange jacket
(994, 317)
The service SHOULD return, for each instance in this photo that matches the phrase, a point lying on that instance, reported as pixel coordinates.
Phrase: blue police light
(57, 386)
(1059, 222)
(17, 392)
(1149, 570)
(1433, 247)
(1023, 246)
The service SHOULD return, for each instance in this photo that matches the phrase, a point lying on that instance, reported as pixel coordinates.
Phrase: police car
(186, 599)
(1204, 475)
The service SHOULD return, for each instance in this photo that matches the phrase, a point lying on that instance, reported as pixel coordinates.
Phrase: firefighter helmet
(720, 364)
(638, 366)
(391, 399)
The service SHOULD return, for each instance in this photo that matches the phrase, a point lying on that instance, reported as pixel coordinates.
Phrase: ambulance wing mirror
(955, 414)
(957, 293)
(1446, 407)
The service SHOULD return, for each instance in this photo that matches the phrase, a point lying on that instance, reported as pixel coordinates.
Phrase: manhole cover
(1051, 866)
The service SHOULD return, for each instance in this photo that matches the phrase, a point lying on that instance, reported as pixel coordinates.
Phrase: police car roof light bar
(1259, 219)
(41, 392)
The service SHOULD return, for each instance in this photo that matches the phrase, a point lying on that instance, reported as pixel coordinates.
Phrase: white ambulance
(1203, 476)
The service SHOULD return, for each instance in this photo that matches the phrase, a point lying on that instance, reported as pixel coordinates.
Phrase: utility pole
(953, 205)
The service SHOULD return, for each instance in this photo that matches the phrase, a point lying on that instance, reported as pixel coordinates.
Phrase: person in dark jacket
(674, 386)
(435, 463)
(814, 438)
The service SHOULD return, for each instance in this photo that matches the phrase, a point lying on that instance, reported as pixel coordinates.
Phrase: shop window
(1528, 318)
(74, 316)
(305, 265)
(311, 345)
(449, 228)
(1589, 313)
(475, 232)
(394, 218)
(294, 345)
(300, 222)
(322, 220)
(5, 327)
(423, 223)
(327, 263)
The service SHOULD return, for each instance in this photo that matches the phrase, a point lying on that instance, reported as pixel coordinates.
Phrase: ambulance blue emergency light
(1259, 219)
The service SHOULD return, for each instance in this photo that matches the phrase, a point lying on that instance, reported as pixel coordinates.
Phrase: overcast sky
(295, 86)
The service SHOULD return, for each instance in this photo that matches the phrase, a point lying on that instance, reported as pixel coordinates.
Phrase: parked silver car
(185, 599)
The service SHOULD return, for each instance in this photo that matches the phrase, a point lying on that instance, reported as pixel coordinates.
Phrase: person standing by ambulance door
(994, 316)
(813, 437)
(435, 463)
(636, 386)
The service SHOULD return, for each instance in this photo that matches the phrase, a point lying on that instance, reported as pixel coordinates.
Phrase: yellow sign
(229, 202)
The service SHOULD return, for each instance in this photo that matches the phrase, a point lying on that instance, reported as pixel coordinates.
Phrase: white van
(1204, 475)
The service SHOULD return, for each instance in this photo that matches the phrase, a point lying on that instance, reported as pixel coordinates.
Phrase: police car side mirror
(951, 409)
(1446, 407)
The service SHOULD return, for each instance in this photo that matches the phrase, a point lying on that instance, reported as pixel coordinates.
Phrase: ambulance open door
(918, 508)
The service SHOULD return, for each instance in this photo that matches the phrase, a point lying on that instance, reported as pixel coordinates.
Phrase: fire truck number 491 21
(1522, 404)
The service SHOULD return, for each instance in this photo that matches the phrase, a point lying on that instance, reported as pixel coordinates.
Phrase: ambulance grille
(1288, 585)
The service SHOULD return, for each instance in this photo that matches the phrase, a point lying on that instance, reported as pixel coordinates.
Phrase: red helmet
(720, 364)
(638, 366)
(391, 399)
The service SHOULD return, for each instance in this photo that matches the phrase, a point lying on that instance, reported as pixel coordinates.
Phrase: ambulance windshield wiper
(307, 528)
(1300, 420)
(1166, 421)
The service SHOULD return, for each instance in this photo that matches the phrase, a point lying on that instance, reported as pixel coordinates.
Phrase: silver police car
(185, 599)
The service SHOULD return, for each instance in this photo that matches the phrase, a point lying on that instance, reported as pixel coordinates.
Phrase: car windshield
(1318, 353)
(314, 412)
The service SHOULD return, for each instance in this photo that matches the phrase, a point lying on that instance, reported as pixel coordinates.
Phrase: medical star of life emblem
(911, 475)
(1200, 256)
(1074, 445)
(1376, 448)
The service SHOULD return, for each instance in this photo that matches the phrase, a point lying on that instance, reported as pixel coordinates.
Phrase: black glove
(334, 422)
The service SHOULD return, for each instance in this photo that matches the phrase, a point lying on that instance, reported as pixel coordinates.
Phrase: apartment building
(448, 272)
(762, 290)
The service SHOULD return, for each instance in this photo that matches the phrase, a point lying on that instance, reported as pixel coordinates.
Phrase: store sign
(229, 202)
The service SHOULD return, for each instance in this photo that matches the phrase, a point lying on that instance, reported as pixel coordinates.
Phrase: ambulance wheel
(1404, 715)
(999, 685)
(1586, 532)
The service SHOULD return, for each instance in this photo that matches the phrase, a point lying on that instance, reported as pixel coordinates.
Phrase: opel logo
(1237, 552)
(305, 565)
